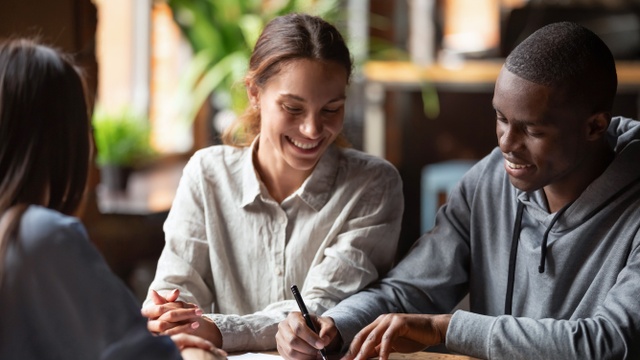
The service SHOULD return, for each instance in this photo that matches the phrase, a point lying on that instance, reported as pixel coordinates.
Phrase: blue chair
(437, 181)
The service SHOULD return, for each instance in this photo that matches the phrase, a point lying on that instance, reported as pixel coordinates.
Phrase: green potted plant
(122, 141)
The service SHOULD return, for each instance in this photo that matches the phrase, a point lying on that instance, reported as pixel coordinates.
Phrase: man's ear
(597, 125)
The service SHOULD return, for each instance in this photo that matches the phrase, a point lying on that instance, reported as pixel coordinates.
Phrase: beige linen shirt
(234, 251)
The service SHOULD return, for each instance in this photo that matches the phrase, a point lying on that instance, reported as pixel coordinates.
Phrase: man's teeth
(516, 166)
(303, 146)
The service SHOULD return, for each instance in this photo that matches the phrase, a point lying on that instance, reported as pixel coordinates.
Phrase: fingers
(376, 339)
(358, 340)
(157, 298)
(187, 328)
(178, 315)
(398, 332)
(186, 340)
(173, 295)
(153, 312)
(386, 345)
(175, 321)
(295, 340)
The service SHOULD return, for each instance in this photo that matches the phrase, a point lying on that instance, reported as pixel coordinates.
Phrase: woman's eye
(291, 109)
(331, 111)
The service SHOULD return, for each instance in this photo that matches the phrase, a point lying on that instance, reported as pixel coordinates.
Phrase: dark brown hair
(285, 39)
(44, 132)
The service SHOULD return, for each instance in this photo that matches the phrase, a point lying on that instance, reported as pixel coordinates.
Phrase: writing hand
(296, 340)
(404, 333)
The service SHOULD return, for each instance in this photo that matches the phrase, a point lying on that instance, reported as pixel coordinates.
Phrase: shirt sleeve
(610, 334)
(184, 263)
(362, 250)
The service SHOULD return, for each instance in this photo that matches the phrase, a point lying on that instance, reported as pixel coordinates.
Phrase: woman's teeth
(303, 146)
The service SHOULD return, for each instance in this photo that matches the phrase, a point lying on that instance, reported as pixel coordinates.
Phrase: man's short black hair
(569, 57)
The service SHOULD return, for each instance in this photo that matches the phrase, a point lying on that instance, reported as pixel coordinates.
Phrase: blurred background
(165, 78)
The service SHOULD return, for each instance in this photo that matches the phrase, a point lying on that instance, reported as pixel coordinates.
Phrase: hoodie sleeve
(612, 333)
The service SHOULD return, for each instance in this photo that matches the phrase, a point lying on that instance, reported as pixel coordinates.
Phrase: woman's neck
(280, 179)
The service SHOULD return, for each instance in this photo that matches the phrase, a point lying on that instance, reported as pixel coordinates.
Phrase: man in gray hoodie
(543, 233)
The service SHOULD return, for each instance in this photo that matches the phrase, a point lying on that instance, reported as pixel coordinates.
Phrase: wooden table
(421, 355)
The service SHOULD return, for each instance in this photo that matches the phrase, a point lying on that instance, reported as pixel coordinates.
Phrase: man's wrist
(441, 325)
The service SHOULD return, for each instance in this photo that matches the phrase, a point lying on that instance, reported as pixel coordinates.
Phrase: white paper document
(254, 356)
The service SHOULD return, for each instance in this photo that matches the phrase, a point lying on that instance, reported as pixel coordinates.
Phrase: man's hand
(297, 341)
(404, 333)
(167, 316)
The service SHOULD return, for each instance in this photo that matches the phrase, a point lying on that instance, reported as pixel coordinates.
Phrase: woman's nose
(311, 126)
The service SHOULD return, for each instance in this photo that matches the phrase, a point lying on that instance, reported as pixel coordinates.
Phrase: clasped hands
(404, 333)
(168, 316)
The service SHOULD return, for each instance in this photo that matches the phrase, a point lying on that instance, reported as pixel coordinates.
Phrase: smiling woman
(281, 203)
(304, 114)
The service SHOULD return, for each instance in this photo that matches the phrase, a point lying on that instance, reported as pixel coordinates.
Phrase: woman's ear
(253, 93)
(597, 125)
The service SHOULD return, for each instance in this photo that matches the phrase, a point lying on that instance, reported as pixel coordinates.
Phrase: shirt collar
(250, 179)
(316, 189)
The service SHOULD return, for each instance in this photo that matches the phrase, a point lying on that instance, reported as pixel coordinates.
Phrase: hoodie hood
(612, 186)
(624, 137)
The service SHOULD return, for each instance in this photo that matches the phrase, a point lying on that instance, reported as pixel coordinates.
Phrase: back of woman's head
(285, 39)
(44, 128)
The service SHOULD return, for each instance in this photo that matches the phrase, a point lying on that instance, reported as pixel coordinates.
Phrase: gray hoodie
(586, 303)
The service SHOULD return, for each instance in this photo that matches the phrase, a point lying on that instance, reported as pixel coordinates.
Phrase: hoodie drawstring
(512, 258)
(543, 247)
(514, 251)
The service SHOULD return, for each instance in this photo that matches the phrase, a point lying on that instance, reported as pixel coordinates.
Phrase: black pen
(305, 315)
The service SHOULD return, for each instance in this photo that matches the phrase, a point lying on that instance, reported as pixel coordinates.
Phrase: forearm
(193, 353)
(508, 337)
(253, 332)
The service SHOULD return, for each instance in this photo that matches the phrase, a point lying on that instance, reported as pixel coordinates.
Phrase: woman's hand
(404, 333)
(169, 317)
(195, 348)
(296, 340)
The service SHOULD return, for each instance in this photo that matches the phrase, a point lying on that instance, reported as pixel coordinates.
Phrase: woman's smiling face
(302, 113)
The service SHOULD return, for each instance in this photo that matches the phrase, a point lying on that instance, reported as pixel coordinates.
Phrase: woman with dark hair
(53, 282)
(283, 202)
